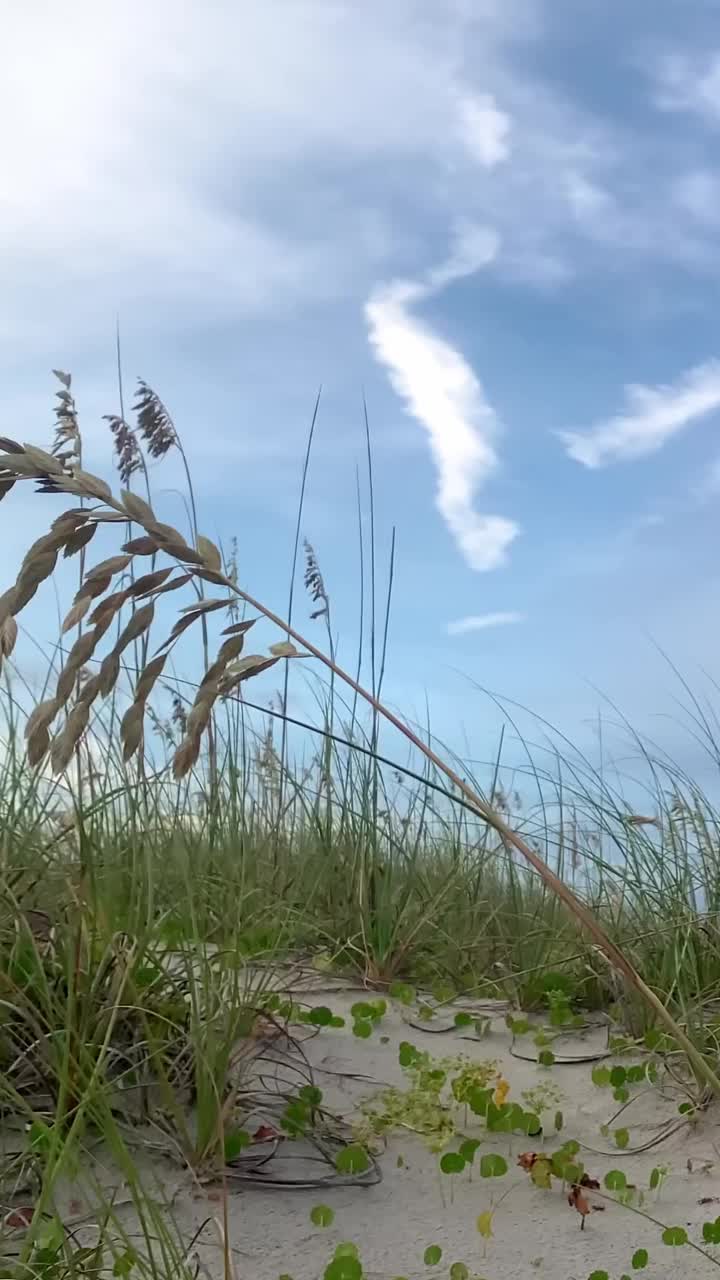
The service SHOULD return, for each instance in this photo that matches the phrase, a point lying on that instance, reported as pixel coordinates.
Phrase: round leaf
(674, 1236)
(459, 1271)
(432, 1255)
(343, 1268)
(320, 1016)
(622, 1138)
(484, 1223)
(362, 1029)
(493, 1166)
(452, 1162)
(353, 1159)
(640, 1259)
(321, 1215)
(615, 1180)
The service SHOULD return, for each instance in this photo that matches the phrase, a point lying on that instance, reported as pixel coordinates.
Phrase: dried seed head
(154, 422)
(128, 457)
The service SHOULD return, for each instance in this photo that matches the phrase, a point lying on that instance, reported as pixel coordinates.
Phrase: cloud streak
(483, 622)
(441, 391)
(652, 416)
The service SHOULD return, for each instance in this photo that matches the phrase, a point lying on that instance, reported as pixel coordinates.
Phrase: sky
(494, 223)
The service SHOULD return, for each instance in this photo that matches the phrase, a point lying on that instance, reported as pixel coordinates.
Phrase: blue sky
(499, 220)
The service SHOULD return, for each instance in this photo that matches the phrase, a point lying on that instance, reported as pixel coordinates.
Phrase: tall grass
(163, 862)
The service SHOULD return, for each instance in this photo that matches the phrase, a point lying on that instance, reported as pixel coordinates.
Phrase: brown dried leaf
(149, 582)
(82, 650)
(206, 606)
(209, 575)
(148, 676)
(108, 607)
(65, 378)
(199, 715)
(20, 465)
(10, 446)
(135, 626)
(8, 637)
(142, 547)
(137, 508)
(245, 669)
(6, 484)
(131, 729)
(79, 539)
(88, 592)
(37, 745)
(165, 532)
(284, 649)
(90, 690)
(181, 581)
(111, 566)
(7, 604)
(239, 628)
(210, 553)
(65, 684)
(65, 743)
(35, 571)
(232, 648)
(45, 461)
(181, 551)
(41, 716)
(70, 519)
(92, 485)
(181, 625)
(185, 756)
(109, 672)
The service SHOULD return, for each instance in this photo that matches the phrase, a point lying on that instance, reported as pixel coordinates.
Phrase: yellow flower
(502, 1090)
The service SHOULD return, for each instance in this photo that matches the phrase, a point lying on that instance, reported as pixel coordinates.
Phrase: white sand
(535, 1231)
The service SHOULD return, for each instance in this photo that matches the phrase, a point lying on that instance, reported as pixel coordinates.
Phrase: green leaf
(343, 1268)
(407, 1054)
(362, 1029)
(321, 1016)
(484, 1223)
(618, 1077)
(711, 1232)
(361, 1009)
(541, 1173)
(336, 1021)
(674, 1236)
(518, 1026)
(621, 1094)
(452, 1162)
(493, 1166)
(463, 1019)
(546, 1057)
(598, 1275)
(468, 1148)
(559, 1121)
(402, 992)
(640, 1259)
(124, 1264)
(601, 1077)
(622, 1138)
(321, 1215)
(615, 1180)
(235, 1142)
(354, 1159)
(346, 1250)
(310, 1094)
(432, 1255)
(459, 1271)
(479, 1101)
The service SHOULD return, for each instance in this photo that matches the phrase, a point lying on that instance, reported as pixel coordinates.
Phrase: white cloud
(698, 193)
(689, 84)
(651, 417)
(482, 621)
(484, 128)
(443, 394)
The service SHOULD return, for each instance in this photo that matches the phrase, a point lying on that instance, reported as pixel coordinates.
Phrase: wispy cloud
(482, 621)
(689, 83)
(443, 394)
(652, 416)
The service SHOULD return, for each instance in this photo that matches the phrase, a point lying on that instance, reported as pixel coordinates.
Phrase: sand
(536, 1233)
